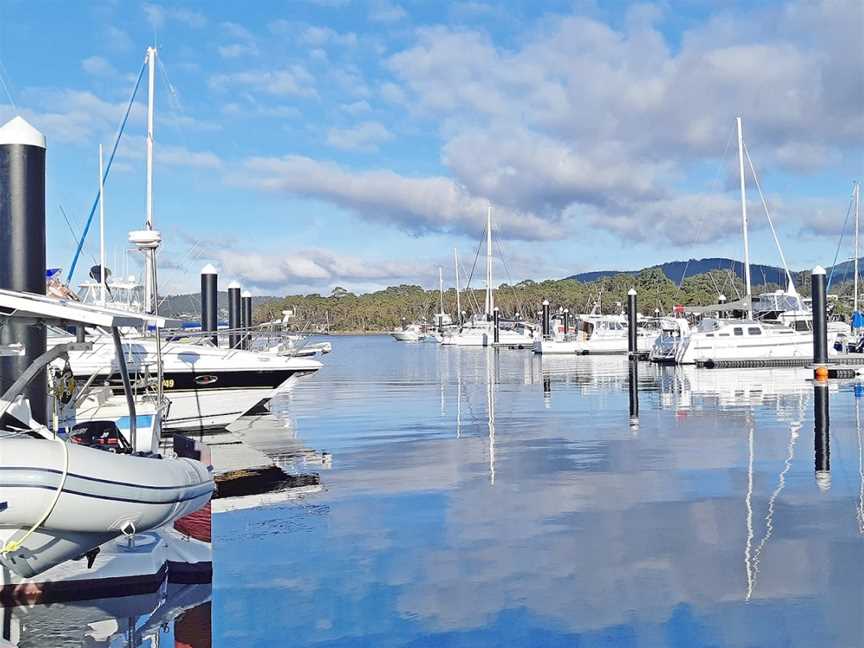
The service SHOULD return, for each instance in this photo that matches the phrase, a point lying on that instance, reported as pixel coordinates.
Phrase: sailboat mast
(149, 254)
(490, 300)
(458, 301)
(102, 278)
(440, 290)
(749, 294)
(857, 195)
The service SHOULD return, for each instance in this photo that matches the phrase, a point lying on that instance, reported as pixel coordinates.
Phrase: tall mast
(749, 294)
(857, 192)
(440, 289)
(102, 278)
(151, 101)
(490, 300)
(458, 301)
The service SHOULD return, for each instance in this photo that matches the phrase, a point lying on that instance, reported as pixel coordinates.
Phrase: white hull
(406, 336)
(102, 495)
(593, 346)
(483, 337)
(208, 409)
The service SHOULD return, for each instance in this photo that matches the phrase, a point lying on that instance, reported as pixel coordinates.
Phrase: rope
(107, 169)
(14, 545)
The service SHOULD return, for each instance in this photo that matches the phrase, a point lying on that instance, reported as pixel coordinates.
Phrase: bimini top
(63, 311)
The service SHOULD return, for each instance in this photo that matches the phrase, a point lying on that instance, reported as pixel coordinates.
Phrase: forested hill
(677, 270)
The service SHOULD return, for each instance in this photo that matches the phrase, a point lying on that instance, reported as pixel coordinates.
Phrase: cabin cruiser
(409, 333)
(67, 491)
(597, 334)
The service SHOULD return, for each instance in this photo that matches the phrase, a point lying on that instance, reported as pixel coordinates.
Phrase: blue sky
(307, 144)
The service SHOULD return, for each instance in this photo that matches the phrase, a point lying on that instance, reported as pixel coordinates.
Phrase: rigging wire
(3, 75)
(840, 242)
(107, 169)
(73, 232)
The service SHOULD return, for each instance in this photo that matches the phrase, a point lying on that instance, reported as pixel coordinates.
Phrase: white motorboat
(61, 498)
(409, 333)
(597, 335)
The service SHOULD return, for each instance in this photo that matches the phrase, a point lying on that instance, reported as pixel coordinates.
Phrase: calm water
(478, 498)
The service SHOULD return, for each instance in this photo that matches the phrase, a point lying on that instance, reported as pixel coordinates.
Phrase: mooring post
(545, 322)
(566, 323)
(209, 295)
(631, 323)
(722, 301)
(496, 315)
(820, 326)
(634, 392)
(246, 308)
(822, 435)
(234, 315)
(22, 249)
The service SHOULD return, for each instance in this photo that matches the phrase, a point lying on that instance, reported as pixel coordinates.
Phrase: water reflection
(553, 526)
(175, 612)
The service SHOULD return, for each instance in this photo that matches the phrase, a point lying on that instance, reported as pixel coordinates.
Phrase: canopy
(63, 312)
(739, 305)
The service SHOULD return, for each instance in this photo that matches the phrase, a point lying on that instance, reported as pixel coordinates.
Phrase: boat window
(709, 335)
(754, 330)
(738, 330)
(723, 334)
(802, 325)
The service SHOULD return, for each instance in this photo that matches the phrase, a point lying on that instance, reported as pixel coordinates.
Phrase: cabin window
(709, 335)
(802, 325)
(738, 330)
(723, 334)
(754, 330)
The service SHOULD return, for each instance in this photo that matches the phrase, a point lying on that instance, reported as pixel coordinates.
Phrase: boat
(783, 332)
(409, 333)
(597, 334)
(66, 492)
(479, 331)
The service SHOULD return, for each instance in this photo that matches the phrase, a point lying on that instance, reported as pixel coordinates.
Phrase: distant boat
(597, 335)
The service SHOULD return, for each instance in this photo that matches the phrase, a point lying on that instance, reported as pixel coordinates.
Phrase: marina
(249, 398)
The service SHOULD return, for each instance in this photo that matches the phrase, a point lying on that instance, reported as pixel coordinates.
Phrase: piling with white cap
(22, 249)
(209, 297)
(246, 317)
(820, 317)
(496, 319)
(566, 317)
(234, 315)
(545, 322)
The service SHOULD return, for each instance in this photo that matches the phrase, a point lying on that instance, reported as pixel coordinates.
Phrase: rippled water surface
(482, 498)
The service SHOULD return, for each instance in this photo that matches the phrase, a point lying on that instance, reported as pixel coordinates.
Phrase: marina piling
(631, 323)
(821, 434)
(820, 316)
(545, 316)
(209, 296)
(566, 317)
(234, 314)
(496, 325)
(22, 249)
(634, 392)
(722, 301)
(246, 317)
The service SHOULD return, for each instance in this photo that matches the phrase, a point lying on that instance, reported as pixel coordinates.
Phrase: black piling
(566, 322)
(209, 297)
(820, 316)
(246, 309)
(722, 301)
(22, 249)
(821, 434)
(631, 323)
(545, 316)
(234, 314)
(496, 320)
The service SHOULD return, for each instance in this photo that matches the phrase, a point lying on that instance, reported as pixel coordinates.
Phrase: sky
(309, 144)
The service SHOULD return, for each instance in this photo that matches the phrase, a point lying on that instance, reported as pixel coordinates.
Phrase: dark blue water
(481, 498)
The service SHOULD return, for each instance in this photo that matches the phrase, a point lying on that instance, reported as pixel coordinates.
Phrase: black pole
(631, 322)
(209, 295)
(634, 392)
(22, 250)
(722, 301)
(495, 322)
(234, 315)
(820, 315)
(246, 308)
(545, 323)
(566, 317)
(821, 435)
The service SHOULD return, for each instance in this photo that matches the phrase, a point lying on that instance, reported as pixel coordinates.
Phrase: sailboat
(765, 338)
(479, 331)
(207, 386)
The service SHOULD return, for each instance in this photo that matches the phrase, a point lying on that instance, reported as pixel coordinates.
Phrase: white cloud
(356, 107)
(98, 66)
(416, 205)
(158, 16)
(292, 80)
(362, 137)
(236, 50)
(386, 11)
(316, 36)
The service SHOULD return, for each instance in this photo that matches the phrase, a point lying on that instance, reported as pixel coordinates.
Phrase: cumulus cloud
(386, 11)
(98, 66)
(415, 205)
(362, 137)
(158, 16)
(293, 80)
